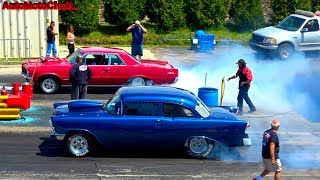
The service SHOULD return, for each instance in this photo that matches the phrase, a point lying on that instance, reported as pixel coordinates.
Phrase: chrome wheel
(49, 85)
(198, 145)
(285, 51)
(138, 81)
(78, 145)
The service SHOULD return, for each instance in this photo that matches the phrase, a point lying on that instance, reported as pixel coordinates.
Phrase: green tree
(85, 19)
(124, 12)
(205, 13)
(166, 14)
(283, 8)
(247, 14)
(315, 5)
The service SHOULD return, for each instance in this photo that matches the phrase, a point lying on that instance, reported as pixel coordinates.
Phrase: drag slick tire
(79, 145)
(198, 147)
(49, 85)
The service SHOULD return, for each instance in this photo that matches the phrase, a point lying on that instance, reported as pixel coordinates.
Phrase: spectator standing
(70, 39)
(51, 39)
(137, 31)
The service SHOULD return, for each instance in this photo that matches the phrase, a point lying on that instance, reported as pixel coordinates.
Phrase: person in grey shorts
(270, 152)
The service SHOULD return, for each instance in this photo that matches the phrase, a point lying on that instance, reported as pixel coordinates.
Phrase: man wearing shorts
(137, 31)
(270, 152)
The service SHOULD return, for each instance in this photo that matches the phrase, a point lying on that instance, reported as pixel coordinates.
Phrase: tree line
(168, 15)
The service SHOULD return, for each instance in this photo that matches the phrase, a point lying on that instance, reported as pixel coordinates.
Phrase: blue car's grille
(257, 38)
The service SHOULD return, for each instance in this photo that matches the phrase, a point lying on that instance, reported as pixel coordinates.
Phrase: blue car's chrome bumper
(247, 142)
(255, 45)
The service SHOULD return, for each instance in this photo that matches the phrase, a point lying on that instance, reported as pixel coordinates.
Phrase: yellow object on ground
(3, 105)
(9, 113)
(3, 97)
(222, 90)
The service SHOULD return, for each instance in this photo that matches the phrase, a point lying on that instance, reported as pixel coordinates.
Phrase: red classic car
(111, 67)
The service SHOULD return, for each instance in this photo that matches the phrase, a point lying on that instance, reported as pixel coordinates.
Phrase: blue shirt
(137, 36)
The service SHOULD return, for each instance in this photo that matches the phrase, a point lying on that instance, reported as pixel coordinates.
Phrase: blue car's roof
(158, 94)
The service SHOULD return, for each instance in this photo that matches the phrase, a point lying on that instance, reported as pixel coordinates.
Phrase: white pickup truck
(297, 32)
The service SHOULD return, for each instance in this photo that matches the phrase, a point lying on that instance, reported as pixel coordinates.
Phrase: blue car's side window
(141, 109)
(176, 110)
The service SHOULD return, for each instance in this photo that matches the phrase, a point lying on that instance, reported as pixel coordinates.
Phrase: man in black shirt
(270, 152)
(51, 38)
(80, 74)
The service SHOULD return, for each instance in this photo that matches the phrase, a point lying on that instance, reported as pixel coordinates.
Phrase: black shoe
(240, 113)
(251, 111)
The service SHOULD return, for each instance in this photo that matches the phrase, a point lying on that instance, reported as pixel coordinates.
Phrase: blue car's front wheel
(198, 147)
(78, 145)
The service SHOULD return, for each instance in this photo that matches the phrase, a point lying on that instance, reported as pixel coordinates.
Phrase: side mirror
(304, 30)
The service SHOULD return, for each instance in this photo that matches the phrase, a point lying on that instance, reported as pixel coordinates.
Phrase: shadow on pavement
(53, 148)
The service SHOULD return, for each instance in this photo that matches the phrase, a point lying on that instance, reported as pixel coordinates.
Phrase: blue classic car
(147, 116)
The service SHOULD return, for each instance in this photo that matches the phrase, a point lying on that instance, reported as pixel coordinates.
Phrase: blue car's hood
(77, 105)
(221, 113)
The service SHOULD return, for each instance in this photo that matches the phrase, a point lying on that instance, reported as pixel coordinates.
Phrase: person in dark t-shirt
(245, 78)
(79, 76)
(51, 39)
(270, 152)
(137, 31)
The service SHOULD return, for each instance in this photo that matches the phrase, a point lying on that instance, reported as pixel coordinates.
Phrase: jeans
(51, 47)
(78, 91)
(243, 94)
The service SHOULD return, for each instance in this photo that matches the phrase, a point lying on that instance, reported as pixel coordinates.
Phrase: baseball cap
(241, 61)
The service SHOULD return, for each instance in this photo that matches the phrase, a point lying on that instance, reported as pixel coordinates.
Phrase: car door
(118, 72)
(95, 63)
(310, 40)
(138, 126)
(179, 122)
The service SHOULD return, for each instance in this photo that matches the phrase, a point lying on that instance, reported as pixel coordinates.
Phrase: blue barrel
(209, 96)
(198, 34)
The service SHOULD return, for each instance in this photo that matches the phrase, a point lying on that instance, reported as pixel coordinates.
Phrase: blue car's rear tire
(198, 147)
(79, 144)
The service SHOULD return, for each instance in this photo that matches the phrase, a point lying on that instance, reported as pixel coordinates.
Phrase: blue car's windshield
(291, 23)
(113, 106)
(202, 109)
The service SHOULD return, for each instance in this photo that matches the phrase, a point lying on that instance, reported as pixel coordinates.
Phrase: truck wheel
(285, 51)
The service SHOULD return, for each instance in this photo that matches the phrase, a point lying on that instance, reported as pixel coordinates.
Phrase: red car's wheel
(49, 85)
(137, 81)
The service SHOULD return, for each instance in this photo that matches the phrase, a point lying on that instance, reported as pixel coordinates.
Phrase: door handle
(157, 121)
(106, 69)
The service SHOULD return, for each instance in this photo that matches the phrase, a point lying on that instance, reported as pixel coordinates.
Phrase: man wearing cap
(51, 39)
(270, 152)
(137, 31)
(245, 78)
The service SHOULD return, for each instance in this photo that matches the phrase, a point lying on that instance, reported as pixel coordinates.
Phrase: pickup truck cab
(298, 32)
